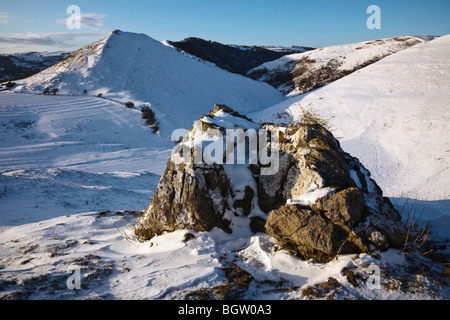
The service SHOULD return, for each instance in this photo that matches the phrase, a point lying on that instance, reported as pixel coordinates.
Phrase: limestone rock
(321, 202)
(345, 207)
(311, 234)
(193, 195)
(352, 219)
(187, 198)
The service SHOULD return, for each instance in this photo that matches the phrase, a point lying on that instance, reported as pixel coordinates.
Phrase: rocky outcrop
(351, 216)
(192, 195)
(187, 197)
(319, 203)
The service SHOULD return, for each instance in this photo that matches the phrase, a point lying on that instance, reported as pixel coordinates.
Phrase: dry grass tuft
(418, 240)
(311, 117)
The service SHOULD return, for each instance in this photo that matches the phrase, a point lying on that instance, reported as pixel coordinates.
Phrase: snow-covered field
(76, 170)
(66, 154)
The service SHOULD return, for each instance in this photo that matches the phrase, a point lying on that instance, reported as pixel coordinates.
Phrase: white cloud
(48, 39)
(4, 18)
(89, 20)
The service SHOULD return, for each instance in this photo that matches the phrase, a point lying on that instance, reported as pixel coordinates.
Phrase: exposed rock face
(188, 197)
(309, 233)
(308, 155)
(345, 207)
(321, 202)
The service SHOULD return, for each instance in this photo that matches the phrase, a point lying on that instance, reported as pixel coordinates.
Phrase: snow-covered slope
(64, 154)
(134, 67)
(38, 260)
(394, 116)
(302, 72)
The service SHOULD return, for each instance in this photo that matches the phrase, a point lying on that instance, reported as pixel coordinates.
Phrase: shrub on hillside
(150, 120)
(147, 113)
(10, 84)
(47, 91)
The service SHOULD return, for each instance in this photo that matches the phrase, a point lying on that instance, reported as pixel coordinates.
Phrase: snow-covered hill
(302, 72)
(394, 116)
(134, 67)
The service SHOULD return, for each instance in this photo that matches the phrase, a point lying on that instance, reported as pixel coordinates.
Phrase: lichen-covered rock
(345, 207)
(310, 234)
(352, 219)
(307, 155)
(335, 224)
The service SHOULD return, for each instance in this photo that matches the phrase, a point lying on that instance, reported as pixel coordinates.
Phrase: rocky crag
(318, 203)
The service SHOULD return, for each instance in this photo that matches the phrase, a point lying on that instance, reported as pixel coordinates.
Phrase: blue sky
(40, 25)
